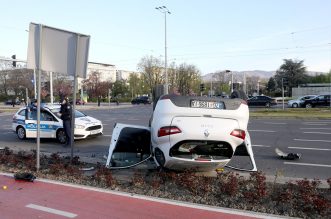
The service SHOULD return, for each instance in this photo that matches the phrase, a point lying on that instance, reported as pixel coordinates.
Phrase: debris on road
(287, 156)
(25, 176)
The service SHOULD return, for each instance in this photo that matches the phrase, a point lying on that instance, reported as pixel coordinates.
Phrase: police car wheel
(61, 136)
(20, 132)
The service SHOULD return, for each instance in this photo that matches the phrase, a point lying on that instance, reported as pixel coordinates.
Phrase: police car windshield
(78, 114)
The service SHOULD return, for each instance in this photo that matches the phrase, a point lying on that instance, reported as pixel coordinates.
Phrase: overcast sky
(211, 34)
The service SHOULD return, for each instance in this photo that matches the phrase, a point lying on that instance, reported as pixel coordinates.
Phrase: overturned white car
(186, 132)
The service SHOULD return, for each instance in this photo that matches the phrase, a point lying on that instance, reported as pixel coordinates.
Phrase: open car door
(245, 149)
(130, 145)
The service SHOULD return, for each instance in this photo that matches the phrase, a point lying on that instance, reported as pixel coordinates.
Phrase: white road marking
(263, 146)
(276, 123)
(52, 210)
(297, 139)
(316, 149)
(322, 133)
(315, 124)
(261, 131)
(325, 121)
(308, 164)
(317, 128)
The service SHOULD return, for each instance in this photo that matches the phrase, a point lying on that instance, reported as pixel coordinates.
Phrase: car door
(47, 128)
(130, 145)
(321, 101)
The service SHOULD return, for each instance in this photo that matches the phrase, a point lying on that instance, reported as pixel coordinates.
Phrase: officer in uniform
(66, 118)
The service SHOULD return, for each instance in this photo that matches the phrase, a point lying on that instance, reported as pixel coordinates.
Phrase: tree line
(183, 78)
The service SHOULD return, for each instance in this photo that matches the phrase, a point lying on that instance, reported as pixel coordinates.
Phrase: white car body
(51, 126)
(186, 133)
(297, 102)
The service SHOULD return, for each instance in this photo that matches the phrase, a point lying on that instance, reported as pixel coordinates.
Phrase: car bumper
(81, 134)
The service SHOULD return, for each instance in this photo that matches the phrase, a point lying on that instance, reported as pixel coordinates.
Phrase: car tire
(20, 131)
(61, 136)
(159, 156)
(267, 105)
(295, 105)
(308, 105)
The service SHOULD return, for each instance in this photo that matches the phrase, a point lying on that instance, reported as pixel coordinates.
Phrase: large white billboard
(57, 50)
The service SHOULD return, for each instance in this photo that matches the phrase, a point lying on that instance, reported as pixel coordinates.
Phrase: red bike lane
(50, 199)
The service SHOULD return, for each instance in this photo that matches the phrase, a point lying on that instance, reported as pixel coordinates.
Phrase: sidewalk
(52, 199)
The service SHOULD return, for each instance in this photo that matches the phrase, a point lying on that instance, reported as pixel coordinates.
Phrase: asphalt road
(311, 138)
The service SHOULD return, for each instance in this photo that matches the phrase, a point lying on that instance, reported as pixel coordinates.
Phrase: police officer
(66, 118)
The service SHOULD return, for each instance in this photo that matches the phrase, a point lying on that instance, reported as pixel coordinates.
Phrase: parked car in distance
(295, 103)
(318, 101)
(10, 102)
(141, 99)
(261, 101)
(80, 102)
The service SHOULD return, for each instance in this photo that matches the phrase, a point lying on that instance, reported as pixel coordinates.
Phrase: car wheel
(267, 105)
(309, 105)
(20, 133)
(61, 136)
(295, 105)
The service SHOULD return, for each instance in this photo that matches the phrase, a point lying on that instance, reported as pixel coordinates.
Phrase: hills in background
(256, 73)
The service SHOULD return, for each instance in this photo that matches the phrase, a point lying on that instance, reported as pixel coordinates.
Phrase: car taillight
(238, 133)
(168, 130)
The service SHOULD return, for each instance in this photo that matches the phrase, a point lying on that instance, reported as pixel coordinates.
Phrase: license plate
(93, 132)
(207, 104)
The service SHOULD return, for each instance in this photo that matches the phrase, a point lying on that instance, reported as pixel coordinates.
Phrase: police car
(186, 132)
(51, 126)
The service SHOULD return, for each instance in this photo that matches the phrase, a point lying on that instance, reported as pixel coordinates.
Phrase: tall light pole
(165, 11)
(231, 82)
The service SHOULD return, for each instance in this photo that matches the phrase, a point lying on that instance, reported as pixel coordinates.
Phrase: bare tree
(4, 81)
(152, 71)
(187, 79)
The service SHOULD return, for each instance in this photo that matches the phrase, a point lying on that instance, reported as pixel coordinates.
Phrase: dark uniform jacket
(65, 111)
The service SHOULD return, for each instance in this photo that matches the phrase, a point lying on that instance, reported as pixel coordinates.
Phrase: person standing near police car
(65, 111)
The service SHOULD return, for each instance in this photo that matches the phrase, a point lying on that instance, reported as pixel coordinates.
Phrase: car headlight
(79, 127)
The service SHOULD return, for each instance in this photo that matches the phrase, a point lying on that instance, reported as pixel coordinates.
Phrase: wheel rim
(308, 106)
(295, 105)
(61, 137)
(267, 104)
(21, 133)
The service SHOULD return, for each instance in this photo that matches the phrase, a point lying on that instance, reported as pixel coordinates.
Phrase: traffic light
(202, 87)
(14, 62)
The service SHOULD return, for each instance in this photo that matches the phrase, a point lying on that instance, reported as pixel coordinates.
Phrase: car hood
(87, 120)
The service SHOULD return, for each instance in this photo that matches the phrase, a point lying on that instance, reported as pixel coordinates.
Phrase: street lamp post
(283, 93)
(231, 82)
(165, 11)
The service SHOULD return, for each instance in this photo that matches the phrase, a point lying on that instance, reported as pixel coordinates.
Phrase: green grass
(293, 113)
